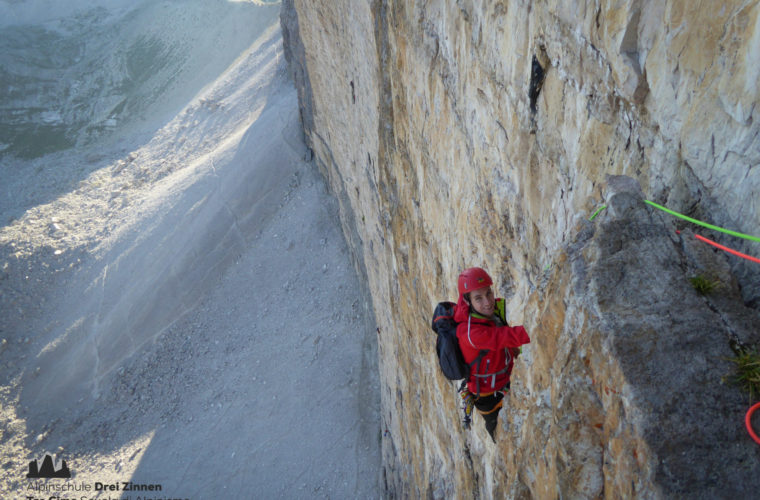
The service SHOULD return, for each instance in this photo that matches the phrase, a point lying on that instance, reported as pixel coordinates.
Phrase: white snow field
(178, 306)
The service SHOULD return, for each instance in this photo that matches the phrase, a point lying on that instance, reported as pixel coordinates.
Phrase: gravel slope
(178, 302)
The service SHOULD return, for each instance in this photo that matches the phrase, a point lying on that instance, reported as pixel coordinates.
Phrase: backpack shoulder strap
(501, 311)
(476, 362)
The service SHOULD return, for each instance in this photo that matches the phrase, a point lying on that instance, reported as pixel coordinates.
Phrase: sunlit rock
(487, 133)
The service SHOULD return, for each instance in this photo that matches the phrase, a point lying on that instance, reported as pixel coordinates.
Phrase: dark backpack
(450, 357)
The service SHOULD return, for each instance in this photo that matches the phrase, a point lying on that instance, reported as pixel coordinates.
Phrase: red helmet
(472, 279)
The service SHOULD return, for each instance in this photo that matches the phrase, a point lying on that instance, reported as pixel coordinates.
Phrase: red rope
(729, 250)
(748, 421)
(753, 408)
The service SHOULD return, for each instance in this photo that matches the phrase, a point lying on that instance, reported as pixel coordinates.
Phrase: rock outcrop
(487, 133)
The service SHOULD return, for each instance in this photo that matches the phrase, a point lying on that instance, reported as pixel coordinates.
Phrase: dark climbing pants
(489, 407)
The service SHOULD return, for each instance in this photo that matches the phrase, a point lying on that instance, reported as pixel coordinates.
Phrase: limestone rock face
(487, 133)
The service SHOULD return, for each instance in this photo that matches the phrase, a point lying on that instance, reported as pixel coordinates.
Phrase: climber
(483, 329)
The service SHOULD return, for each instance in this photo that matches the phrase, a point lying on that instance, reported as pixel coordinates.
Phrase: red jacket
(475, 333)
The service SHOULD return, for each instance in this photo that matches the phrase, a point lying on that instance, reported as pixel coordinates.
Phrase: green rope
(597, 212)
(703, 224)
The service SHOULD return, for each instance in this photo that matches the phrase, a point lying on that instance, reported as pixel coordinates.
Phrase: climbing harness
(748, 421)
(469, 399)
(498, 406)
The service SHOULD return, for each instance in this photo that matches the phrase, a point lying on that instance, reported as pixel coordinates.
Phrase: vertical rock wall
(465, 133)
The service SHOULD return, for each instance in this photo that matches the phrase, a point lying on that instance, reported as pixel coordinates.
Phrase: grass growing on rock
(704, 285)
(746, 370)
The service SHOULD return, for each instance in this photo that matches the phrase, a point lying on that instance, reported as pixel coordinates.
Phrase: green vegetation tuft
(704, 285)
(747, 371)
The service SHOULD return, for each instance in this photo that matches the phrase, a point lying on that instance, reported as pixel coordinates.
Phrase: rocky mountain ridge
(488, 133)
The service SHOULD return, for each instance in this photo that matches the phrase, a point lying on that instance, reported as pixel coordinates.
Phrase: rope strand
(703, 224)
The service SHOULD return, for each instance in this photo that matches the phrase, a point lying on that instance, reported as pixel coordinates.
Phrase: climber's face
(483, 300)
